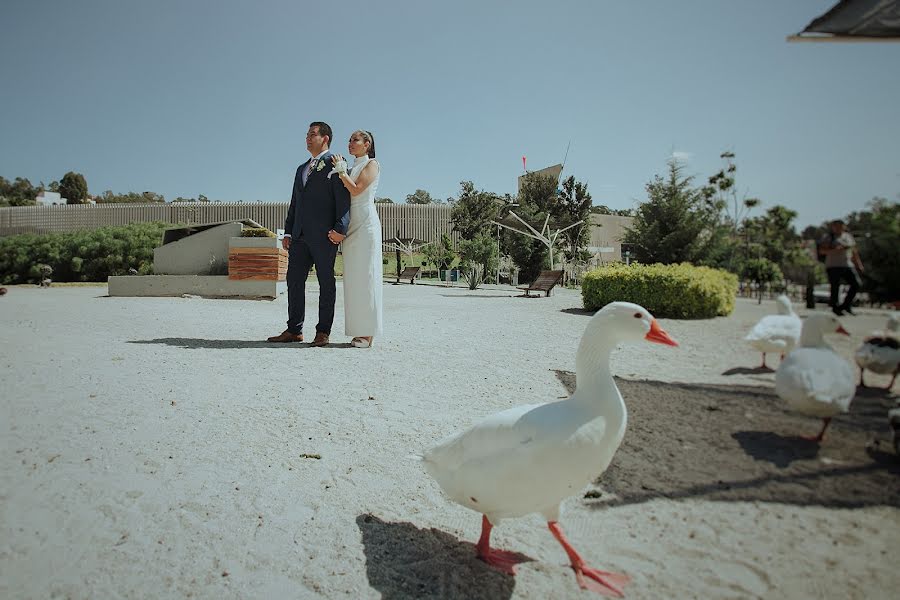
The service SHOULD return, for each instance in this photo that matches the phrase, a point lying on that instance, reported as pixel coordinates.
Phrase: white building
(45, 198)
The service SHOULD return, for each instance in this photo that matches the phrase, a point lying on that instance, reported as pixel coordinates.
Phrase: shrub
(679, 291)
(86, 255)
(478, 259)
(257, 232)
(440, 253)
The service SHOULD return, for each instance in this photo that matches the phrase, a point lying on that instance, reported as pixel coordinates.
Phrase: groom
(316, 223)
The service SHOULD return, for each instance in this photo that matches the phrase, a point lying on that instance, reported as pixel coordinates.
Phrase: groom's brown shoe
(285, 337)
(321, 339)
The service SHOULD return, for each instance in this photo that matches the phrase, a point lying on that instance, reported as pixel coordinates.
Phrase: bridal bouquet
(340, 167)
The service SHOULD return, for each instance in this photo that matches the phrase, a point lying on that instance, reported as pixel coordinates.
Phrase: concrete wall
(216, 286)
(203, 253)
(607, 232)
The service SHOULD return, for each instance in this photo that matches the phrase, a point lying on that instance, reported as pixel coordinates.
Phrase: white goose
(880, 352)
(529, 458)
(813, 379)
(776, 333)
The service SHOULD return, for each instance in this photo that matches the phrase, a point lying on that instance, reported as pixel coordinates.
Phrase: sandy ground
(157, 448)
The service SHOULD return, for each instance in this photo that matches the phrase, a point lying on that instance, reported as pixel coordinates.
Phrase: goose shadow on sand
(780, 450)
(748, 371)
(740, 443)
(406, 562)
(579, 311)
(478, 295)
(200, 343)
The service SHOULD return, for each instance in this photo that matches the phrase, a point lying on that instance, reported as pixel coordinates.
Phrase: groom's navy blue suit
(318, 206)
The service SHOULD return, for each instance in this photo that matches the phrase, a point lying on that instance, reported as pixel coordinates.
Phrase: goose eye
(637, 315)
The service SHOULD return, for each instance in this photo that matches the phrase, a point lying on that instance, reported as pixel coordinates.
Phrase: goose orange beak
(841, 329)
(658, 334)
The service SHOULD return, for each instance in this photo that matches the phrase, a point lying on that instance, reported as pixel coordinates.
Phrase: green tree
(877, 234)
(108, 197)
(383, 201)
(773, 232)
(573, 205)
(441, 253)
(540, 193)
(813, 232)
(722, 196)
(602, 209)
(763, 271)
(473, 211)
(73, 187)
(420, 197)
(772, 236)
(538, 198)
(17, 193)
(152, 197)
(722, 187)
(676, 224)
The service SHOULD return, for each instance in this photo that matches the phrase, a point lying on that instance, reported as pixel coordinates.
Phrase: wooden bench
(409, 273)
(544, 282)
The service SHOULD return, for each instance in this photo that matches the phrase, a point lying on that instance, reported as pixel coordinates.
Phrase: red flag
(523, 165)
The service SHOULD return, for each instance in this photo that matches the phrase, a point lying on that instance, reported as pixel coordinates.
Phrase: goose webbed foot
(589, 578)
(501, 560)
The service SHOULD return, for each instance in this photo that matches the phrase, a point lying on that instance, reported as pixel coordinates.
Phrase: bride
(362, 246)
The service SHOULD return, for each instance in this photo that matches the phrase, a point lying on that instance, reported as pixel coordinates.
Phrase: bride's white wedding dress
(362, 260)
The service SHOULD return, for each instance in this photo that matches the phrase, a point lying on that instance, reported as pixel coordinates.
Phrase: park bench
(544, 282)
(409, 273)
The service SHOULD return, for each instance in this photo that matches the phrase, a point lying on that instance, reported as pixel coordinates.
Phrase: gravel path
(158, 448)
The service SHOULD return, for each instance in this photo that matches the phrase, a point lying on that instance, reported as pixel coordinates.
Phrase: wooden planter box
(261, 259)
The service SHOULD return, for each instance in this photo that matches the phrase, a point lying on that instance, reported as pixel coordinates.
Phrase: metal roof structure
(855, 21)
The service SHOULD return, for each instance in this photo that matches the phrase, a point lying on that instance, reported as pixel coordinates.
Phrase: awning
(855, 21)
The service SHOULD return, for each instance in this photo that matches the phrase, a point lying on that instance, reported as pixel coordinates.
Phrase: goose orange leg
(502, 560)
(602, 582)
(818, 438)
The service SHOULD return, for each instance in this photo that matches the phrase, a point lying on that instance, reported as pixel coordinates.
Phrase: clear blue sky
(214, 97)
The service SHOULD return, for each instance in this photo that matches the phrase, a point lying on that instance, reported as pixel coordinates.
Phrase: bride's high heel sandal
(361, 342)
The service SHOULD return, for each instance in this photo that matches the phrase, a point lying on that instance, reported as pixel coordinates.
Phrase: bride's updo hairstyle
(367, 135)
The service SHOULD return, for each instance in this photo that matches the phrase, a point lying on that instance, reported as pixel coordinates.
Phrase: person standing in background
(842, 263)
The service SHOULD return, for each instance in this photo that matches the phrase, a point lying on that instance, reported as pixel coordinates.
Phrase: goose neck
(592, 362)
(812, 339)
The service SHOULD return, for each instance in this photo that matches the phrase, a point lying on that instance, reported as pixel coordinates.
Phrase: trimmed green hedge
(673, 291)
(86, 255)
